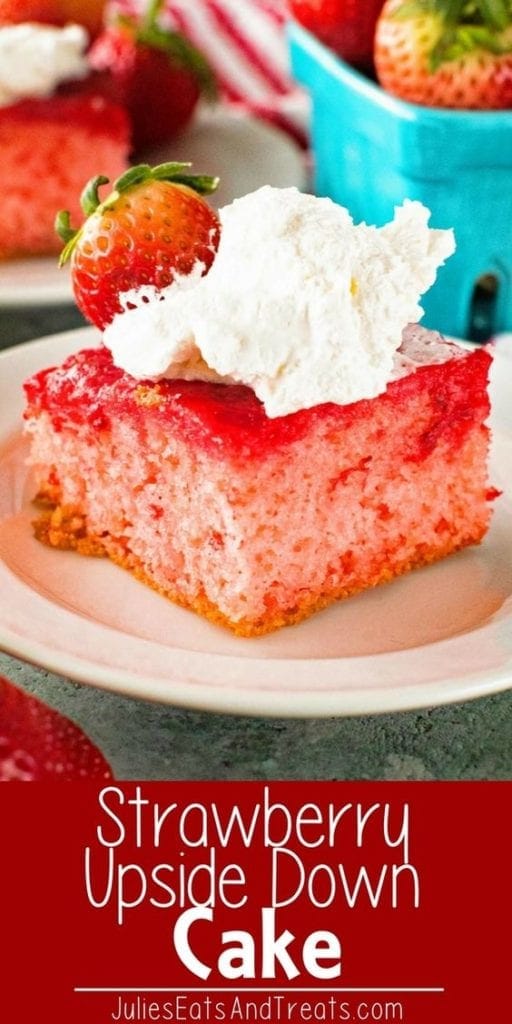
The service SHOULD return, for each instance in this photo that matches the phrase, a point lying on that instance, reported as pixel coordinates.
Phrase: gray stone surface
(19, 325)
(146, 741)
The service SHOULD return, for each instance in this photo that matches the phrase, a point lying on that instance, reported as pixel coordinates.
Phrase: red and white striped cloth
(245, 43)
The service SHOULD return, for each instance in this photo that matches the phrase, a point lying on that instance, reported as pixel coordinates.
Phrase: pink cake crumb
(257, 523)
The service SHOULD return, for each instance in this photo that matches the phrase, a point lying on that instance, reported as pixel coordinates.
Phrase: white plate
(439, 635)
(34, 282)
(244, 152)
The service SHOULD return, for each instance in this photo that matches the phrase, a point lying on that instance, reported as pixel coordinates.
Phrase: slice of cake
(47, 146)
(257, 522)
(52, 136)
(261, 440)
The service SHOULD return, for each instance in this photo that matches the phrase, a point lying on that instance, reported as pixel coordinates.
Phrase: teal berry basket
(372, 151)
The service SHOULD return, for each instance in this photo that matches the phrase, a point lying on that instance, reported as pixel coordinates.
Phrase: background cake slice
(49, 148)
(257, 522)
(56, 126)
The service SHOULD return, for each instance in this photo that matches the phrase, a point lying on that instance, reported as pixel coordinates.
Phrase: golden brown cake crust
(64, 528)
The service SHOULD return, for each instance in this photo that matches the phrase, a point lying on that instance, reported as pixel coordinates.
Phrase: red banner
(251, 902)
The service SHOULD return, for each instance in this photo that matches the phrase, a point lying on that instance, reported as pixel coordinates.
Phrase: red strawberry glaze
(37, 744)
(89, 391)
(90, 110)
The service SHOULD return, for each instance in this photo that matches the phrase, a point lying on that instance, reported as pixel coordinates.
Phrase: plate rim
(262, 702)
(55, 291)
(255, 703)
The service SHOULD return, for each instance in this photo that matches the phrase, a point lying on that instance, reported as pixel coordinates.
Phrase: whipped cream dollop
(300, 304)
(36, 58)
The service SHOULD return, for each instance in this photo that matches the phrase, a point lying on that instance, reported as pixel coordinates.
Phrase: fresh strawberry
(37, 744)
(446, 53)
(154, 72)
(154, 225)
(13, 12)
(346, 26)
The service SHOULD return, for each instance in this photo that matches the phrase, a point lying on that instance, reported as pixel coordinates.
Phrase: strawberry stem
(178, 49)
(173, 172)
(148, 31)
(68, 235)
(495, 13)
(453, 11)
(63, 226)
(152, 14)
(464, 26)
(202, 183)
(134, 175)
(90, 200)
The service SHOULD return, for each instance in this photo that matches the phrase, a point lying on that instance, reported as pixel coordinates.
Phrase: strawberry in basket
(447, 53)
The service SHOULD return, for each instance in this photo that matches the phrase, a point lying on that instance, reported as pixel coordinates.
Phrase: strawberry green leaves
(91, 204)
(447, 53)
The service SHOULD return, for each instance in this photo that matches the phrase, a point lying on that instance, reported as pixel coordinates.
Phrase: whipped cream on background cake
(35, 59)
(300, 304)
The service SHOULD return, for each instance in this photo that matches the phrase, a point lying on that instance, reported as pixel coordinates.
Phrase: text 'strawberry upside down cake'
(264, 438)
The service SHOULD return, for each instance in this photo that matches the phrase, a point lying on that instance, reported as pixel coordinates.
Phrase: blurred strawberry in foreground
(153, 225)
(446, 53)
(37, 744)
(154, 72)
(346, 26)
